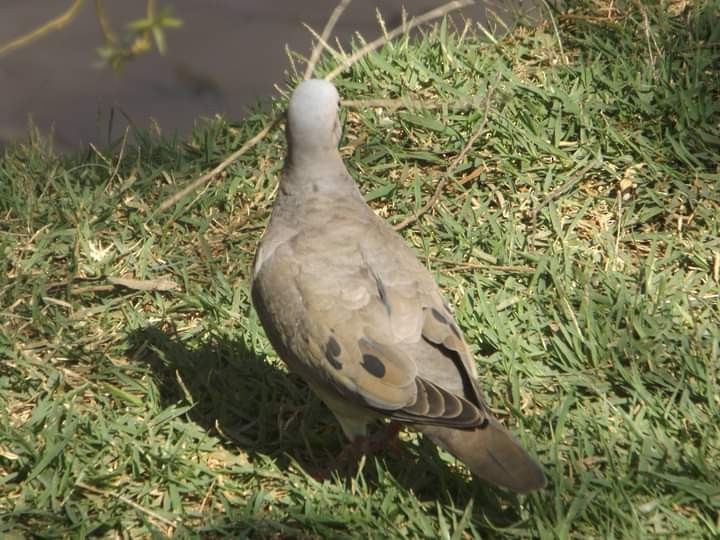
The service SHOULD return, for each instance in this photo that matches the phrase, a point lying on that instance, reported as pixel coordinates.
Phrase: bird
(348, 307)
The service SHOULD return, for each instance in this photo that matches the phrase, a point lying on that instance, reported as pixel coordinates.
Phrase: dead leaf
(159, 284)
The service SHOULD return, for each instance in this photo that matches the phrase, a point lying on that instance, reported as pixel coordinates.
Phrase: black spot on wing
(332, 351)
(373, 365)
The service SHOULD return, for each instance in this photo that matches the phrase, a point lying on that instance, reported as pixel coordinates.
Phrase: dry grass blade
(411, 103)
(322, 38)
(187, 190)
(159, 284)
(563, 56)
(458, 159)
(561, 190)
(55, 24)
(430, 15)
(503, 268)
(136, 506)
(398, 31)
(322, 44)
(648, 36)
(121, 154)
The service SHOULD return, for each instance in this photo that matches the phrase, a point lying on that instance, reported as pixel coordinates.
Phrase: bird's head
(313, 128)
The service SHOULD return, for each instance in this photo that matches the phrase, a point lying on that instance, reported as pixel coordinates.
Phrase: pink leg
(387, 438)
(384, 439)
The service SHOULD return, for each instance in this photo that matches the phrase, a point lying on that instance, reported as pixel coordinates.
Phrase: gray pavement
(228, 55)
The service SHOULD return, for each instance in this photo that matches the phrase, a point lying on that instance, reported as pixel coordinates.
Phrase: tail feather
(492, 454)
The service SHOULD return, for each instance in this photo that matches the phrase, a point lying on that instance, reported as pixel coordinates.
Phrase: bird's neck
(306, 174)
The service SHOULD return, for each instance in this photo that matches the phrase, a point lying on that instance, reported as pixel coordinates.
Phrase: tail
(492, 454)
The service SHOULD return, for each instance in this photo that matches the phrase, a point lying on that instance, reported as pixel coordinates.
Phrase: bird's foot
(385, 439)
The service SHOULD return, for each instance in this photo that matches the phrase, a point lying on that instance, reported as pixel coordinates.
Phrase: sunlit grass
(578, 241)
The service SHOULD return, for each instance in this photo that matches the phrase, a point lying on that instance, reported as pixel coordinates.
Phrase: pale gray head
(313, 128)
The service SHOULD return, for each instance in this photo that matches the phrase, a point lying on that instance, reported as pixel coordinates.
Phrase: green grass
(594, 314)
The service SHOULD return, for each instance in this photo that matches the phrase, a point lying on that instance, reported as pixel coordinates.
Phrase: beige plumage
(348, 307)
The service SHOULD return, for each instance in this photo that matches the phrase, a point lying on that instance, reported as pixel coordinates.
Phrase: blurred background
(226, 56)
